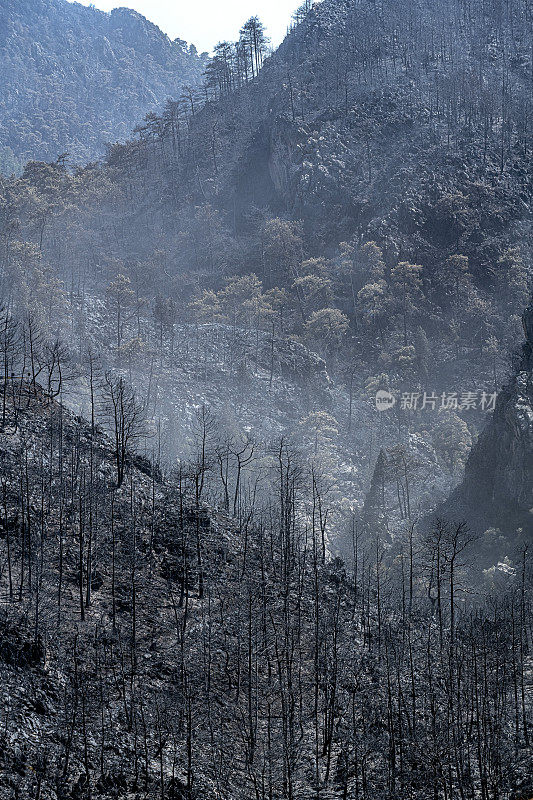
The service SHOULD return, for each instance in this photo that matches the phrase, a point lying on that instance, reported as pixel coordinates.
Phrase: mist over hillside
(376, 214)
(266, 446)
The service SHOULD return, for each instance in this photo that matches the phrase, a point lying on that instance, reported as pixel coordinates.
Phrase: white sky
(206, 22)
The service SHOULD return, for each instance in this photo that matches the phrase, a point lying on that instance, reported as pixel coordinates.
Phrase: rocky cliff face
(499, 473)
(498, 483)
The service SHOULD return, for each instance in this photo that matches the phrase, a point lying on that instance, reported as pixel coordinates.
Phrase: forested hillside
(75, 78)
(153, 648)
(265, 507)
(364, 193)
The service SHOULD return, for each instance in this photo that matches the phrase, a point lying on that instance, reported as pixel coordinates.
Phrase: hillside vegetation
(224, 573)
(75, 78)
(364, 191)
(153, 648)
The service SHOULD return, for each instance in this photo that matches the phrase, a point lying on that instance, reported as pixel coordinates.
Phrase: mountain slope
(74, 78)
(352, 217)
(151, 647)
(497, 489)
(366, 193)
